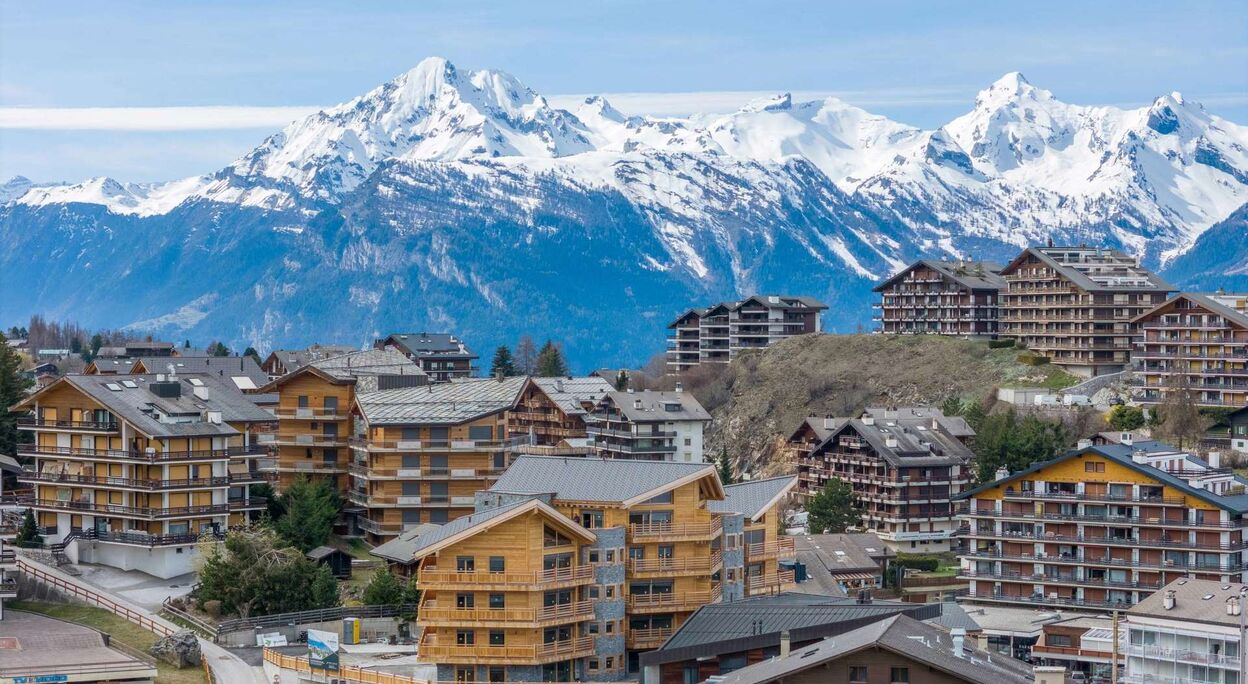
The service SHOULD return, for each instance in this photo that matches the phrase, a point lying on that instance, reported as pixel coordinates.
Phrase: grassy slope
(765, 395)
(119, 629)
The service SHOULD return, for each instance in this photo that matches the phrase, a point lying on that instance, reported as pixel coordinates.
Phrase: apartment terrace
(435, 614)
(477, 654)
(141, 512)
(673, 601)
(556, 578)
(149, 455)
(781, 548)
(676, 531)
(696, 566)
(646, 639)
(85, 426)
(1056, 558)
(431, 446)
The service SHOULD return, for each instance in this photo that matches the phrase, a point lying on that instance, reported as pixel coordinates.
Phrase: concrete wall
(369, 629)
(163, 562)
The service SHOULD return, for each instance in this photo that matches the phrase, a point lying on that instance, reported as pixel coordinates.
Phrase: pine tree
(186, 344)
(502, 363)
(13, 386)
(218, 349)
(324, 587)
(28, 534)
(725, 466)
(383, 590)
(621, 380)
(833, 509)
(550, 363)
(310, 510)
(97, 341)
(251, 351)
(526, 356)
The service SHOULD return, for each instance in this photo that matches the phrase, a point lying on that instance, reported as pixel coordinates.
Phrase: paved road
(227, 667)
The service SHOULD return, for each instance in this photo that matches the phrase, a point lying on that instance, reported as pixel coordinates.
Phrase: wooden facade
(314, 425)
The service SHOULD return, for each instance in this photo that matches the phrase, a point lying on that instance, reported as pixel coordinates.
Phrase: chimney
(637, 404)
(829, 423)
(1215, 459)
(559, 385)
(959, 641)
(890, 442)
(1083, 444)
(1001, 473)
(680, 387)
(1232, 606)
(1168, 600)
(498, 376)
(785, 643)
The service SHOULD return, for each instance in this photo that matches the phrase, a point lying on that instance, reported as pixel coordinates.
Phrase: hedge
(1000, 344)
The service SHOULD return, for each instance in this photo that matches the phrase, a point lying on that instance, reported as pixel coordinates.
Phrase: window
(857, 675)
(593, 556)
(498, 564)
(481, 433)
(498, 601)
(465, 564)
(552, 537)
(1094, 467)
(497, 638)
(591, 520)
(465, 601)
(664, 498)
(688, 442)
(498, 674)
(465, 637)
(900, 675)
(593, 591)
(1059, 640)
(593, 628)
(593, 664)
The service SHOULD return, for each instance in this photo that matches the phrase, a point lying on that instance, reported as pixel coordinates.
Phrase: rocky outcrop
(180, 649)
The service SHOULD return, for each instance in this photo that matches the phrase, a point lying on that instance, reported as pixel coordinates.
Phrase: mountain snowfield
(457, 199)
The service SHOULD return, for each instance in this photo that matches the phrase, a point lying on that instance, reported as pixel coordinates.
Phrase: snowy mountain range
(464, 200)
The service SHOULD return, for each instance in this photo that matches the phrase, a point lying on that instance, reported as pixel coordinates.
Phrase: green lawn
(119, 629)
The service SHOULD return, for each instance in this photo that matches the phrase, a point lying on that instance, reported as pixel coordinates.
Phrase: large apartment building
(929, 297)
(314, 411)
(1103, 527)
(1193, 343)
(648, 425)
(1075, 305)
(905, 465)
(552, 413)
(718, 333)
(421, 453)
(279, 362)
(571, 567)
(441, 356)
(136, 468)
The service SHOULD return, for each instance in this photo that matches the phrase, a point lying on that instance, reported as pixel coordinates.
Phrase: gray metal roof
(429, 345)
(242, 371)
(577, 478)
(423, 543)
(898, 634)
(752, 497)
(953, 616)
(920, 436)
(848, 553)
(651, 406)
(388, 361)
(403, 547)
(136, 405)
(718, 622)
(1095, 269)
(448, 403)
(570, 393)
(294, 359)
(975, 275)
(768, 301)
(1195, 600)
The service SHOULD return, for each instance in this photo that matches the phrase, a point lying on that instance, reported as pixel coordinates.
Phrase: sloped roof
(1121, 454)
(448, 403)
(569, 393)
(754, 497)
(1202, 300)
(917, 431)
(848, 552)
(587, 478)
(402, 548)
(649, 406)
(1052, 257)
(899, 634)
(426, 344)
(459, 528)
(1190, 602)
(242, 371)
(386, 361)
(136, 404)
(976, 275)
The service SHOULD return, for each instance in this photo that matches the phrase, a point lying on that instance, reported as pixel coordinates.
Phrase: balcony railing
(32, 423)
(648, 638)
(1071, 578)
(1028, 495)
(674, 601)
(434, 612)
(143, 512)
(30, 475)
(141, 539)
(439, 446)
(698, 565)
(676, 531)
(431, 651)
(1050, 600)
(1109, 541)
(784, 547)
(8, 588)
(311, 413)
(1160, 563)
(772, 580)
(145, 456)
(1092, 519)
(581, 574)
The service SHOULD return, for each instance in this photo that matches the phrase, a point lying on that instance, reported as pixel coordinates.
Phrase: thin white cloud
(150, 118)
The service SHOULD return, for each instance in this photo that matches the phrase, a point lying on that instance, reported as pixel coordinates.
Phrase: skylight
(196, 382)
(129, 383)
(113, 386)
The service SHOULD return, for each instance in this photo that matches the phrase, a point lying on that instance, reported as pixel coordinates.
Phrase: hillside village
(1028, 472)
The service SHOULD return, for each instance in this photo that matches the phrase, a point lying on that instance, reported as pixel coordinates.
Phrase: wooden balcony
(676, 601)
(648, 638)
(311, 413)
(53, 425)
(436, 614)
(144, 456)
(770, 582)
(783, 548)
(432, 578)
(431, 651)
(676, 531)
(689, 565)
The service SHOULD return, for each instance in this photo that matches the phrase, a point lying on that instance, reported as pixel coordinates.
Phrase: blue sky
(918, 62)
